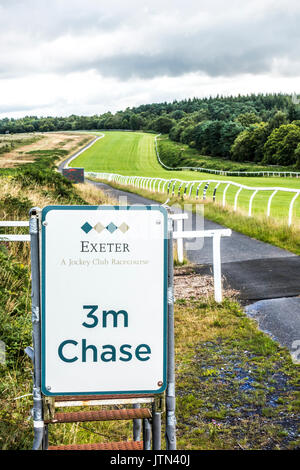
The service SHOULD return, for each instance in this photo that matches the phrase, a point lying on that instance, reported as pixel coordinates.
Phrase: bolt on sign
(104, 299)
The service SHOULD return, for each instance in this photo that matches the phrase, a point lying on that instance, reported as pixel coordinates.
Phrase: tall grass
(35, 184)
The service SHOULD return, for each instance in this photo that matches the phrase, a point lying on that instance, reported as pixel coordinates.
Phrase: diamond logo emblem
(111, 227)
(99, 227)
(86, 227)
(123, 227)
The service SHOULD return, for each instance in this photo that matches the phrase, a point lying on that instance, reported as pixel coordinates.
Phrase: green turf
(121, 152)
(133, 153)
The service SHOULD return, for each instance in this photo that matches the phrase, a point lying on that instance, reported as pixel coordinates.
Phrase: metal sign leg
(147, 434)
(156, 429)
(170, 392)
(38, 422)
(45, 439)
(137, 426)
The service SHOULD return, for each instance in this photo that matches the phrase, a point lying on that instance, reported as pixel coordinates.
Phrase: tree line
(253, 128)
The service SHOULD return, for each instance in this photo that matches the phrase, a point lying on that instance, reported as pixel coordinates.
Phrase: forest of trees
(253, 128)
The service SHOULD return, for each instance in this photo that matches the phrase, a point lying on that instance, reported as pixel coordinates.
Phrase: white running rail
(179, 218)
(216, 236)
(14, 238)
(162, 185)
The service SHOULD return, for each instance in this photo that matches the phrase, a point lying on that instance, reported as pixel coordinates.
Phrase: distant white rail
(175, 186)
(262, 173)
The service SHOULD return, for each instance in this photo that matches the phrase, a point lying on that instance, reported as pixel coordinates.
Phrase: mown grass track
(122, 152)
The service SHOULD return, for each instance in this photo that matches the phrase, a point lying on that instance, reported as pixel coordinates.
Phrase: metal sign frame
(119, 209)
(40, 428)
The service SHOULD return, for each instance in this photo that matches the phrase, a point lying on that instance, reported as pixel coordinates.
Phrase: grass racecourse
(133, 153)
(130, 153)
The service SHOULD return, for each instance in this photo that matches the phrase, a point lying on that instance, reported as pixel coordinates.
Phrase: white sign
(104, 302)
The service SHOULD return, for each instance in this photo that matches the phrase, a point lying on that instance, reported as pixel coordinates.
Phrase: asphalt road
(281, 319)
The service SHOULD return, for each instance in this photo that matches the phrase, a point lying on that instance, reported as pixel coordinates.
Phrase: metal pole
(170, 392)
(46, 438)
(146, 434)
(156, 429)
(137, 426)
(38, 422)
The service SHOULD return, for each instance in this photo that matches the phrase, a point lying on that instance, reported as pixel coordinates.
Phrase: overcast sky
(59, 57)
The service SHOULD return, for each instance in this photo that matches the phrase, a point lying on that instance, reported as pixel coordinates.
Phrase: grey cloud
(242, 47)
(125, 67)
(48, 20)
(245, 43)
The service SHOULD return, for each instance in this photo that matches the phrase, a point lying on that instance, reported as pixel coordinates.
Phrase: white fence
(191, 189)
(178, 235)
(14, 238)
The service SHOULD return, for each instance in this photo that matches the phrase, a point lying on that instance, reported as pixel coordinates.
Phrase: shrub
(281, 145)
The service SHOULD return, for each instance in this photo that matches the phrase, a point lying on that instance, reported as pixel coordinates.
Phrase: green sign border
(43, 297)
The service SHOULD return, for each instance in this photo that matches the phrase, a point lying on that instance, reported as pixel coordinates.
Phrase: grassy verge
(236, 388)
(268, 230)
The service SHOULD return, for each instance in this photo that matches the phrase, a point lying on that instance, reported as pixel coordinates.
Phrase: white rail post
(236, 198)
(173, 188)
(180, 241)
(291, 209)
(224, 194)
(179, 228)
(216, 234)
(217, 267)
(191, 189)
(269, 202)
(251, 201)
